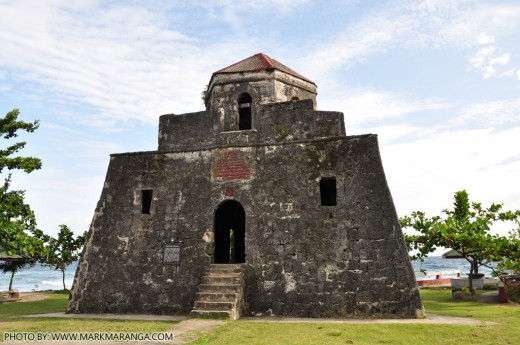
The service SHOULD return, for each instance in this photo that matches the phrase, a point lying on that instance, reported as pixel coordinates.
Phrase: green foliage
(61, 251)
(18, 233)
(9, 127)
(466, 229)
(17, 219)
(511, 263)
(461, 206)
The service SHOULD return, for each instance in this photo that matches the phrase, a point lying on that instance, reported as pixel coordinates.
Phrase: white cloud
(237, 13)
(363, 106)
(239, 6)
(477, 150)
(128, 61)
(369, 105)
(124, 61)
(484, 39)
(510, 73)
(58, 197)
(492, 114)
(372, 34)
(454, 24)
(439, 6)
(423, 174)
(475, 24)
(487, 60)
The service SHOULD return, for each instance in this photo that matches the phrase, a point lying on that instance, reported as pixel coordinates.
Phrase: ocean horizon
(41, 278)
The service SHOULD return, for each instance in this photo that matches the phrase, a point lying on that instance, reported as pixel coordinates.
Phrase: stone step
(200, 305)
(216, 297)
(226, 273)
(231, 288)
(221, 280)
(214, 314)
(220, 293)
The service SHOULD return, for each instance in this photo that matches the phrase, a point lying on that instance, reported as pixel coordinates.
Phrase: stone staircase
(221, 292)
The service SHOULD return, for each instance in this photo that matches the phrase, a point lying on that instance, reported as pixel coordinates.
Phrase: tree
(9, 127)
(465, 229)
(17, 219)
(62, 251)
(511, 263)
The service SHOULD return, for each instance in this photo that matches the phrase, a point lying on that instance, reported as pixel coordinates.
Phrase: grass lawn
(10, 320)
(435, 300)
(241, 332)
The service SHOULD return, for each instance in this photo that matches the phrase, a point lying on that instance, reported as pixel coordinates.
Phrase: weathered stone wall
(263, 87)
(121, 270)
(293, 121)
(302, 258)
(186, 130)
(273, 122)
(266, 86)
(320, 261)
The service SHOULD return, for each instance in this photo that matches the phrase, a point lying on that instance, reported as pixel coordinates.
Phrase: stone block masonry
(305, 210)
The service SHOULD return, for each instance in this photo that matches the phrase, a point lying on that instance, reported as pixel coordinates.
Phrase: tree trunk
(470, 277)
(63, 278)
(475, 266)
(11, 282)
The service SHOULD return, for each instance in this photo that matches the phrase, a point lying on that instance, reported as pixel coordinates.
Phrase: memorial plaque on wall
(172, 253)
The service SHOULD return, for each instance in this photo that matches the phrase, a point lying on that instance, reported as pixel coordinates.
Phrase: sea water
(39, 278)
(437, 263)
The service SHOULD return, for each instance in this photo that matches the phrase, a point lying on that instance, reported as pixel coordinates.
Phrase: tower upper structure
(234, 91)
(256, 100)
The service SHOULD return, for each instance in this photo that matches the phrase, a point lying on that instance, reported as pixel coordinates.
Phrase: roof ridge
(267, 59)
(236, 63)
(258, 62)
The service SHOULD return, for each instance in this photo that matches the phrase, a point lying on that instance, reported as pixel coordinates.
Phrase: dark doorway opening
(230, 226)
(244, 112)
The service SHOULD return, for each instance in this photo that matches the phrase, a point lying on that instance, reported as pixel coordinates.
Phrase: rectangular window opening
(328, 191)
(146, 200)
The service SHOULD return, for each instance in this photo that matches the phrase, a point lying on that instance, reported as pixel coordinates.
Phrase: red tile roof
(260, 62)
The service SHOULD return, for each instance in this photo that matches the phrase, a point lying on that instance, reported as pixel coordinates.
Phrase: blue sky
(437, 80)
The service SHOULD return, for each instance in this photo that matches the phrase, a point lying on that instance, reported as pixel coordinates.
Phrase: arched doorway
(230, 245)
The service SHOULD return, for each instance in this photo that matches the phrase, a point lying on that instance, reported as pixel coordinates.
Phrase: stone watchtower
(260, 204)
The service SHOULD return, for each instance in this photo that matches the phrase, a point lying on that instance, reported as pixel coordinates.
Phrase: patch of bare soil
(32, 296)
(192, 329)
